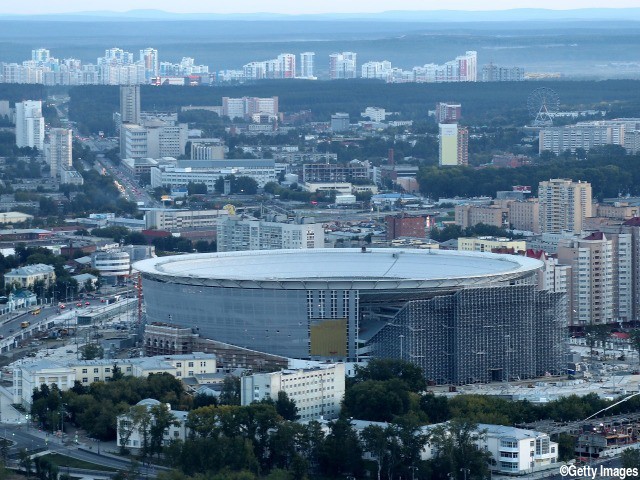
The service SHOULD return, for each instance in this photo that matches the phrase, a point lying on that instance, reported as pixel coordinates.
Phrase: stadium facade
(463, 317)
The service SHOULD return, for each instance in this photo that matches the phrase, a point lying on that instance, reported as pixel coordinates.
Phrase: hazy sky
(294, 6)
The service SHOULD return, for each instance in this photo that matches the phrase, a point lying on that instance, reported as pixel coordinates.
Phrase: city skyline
(40, 7)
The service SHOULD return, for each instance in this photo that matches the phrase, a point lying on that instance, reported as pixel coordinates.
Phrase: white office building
(262, 171)
(236, 233)
(170, 219)
(30, 124)
(317, 392)
(111, 263)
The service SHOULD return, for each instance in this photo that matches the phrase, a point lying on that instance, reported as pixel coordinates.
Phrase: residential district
(228, 290)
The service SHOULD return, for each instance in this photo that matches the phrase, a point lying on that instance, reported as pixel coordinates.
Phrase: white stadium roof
(378, 268)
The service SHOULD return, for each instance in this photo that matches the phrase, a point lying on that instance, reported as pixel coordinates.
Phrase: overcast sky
(294, 6)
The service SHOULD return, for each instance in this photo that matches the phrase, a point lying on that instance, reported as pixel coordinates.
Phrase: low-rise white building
(31, 375)
(515, 451)
(169, 219)
(131, 434)
(317, 392)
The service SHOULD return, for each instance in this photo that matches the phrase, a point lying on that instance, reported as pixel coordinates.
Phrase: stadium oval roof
(338, 268)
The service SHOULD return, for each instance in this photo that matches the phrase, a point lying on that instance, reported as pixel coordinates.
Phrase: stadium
(464, 317)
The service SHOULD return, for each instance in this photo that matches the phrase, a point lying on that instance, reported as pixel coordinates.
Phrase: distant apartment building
(155, 139)
(340, 122)
(342, 65)
(403, 225)
(59, 151)
(317, 392)
(564, 204)
(375, 114)
(489, 244)
(620, 210)
(236, 233)
(448, 112)
(283, 66)
(376, 70)
(149, 58)
(246, 107)
(453, 145)
(29, 124)
(470, 215)
(525, 215)
(496, 73)
(592, 288)
(307, 60)
(583, 135)
(171, 219)
(331, 172)
(130, 104)
(553, 276)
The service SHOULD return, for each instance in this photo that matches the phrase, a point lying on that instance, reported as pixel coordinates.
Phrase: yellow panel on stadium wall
(329, 338)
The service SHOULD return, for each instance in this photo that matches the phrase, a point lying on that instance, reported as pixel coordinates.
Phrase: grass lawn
(63, 461)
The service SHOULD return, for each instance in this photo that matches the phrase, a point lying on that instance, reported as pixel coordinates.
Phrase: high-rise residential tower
(342, 65)
(564, 204)
(60, 150)
(454, 145)
(306, 64)
(29, 124)
(130, 104)
(149, 58)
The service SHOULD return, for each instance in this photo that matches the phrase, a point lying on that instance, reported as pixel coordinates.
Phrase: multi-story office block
(470, 215)
(59, 151)
(274, 233)
(171, 219)
(331, 172)
(29, 124)
(564, 205)
(317, 391)
(490, 244)
(340, 122)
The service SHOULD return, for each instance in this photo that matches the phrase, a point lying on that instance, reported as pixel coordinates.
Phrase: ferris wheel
(542, 103)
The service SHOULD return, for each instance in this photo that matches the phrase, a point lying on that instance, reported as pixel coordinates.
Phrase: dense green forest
(482, 103)
(609, 170)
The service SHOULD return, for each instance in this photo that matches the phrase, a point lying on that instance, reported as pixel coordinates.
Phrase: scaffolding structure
(476, 335)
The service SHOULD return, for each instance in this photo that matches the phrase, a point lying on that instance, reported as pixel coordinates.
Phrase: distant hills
(520, 14)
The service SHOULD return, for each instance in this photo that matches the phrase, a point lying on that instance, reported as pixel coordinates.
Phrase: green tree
(341, 453)
(91, 351)
(286, 407)
(375, 441)
(635, 341)
(163, 419)
(230, 394)
(387, 369)
(631, 459)
(456, 448)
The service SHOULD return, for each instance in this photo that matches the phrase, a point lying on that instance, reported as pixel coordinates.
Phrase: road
(32, 439)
